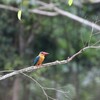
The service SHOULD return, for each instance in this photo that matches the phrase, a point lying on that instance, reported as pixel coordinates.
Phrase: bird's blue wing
(36, 60)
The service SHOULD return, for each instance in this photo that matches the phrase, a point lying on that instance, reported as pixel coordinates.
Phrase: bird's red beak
(45, 53)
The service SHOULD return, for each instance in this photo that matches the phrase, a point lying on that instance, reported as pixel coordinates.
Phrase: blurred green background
(21, 41)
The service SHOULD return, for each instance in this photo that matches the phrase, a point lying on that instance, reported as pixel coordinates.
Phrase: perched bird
(40, 58)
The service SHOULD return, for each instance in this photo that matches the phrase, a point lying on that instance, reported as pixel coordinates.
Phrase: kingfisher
(40, 58)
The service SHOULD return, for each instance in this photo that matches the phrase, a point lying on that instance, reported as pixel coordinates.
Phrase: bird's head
(44, 53)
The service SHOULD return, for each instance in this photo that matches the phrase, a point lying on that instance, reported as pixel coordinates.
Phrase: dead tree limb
(33, 68)
(56, 11)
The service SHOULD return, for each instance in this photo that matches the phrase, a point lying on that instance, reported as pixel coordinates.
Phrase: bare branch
(52, 13)
(46, 88)
(33, 68)
(68, 14)
(41, 12)
(37, 83)
(8, 7)
(37, 11)
(77, 18)
(54, 89)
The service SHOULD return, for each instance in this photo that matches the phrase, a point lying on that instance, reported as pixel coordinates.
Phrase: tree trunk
(21, 42)
(16, 89)
(75, 81)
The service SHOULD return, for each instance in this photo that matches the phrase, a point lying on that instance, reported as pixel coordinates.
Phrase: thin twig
(2, 71)
(96, 33)
(54, 89)
(37, 83)
(90, 36)
(96, 43)
(46, 88)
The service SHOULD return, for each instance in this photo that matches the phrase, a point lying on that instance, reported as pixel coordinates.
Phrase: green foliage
(62, 37)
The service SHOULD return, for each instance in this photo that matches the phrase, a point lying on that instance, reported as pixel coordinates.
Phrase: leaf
(70, 2)
(19, 14)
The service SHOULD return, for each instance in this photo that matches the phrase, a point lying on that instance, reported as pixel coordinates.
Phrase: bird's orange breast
(41, 59)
